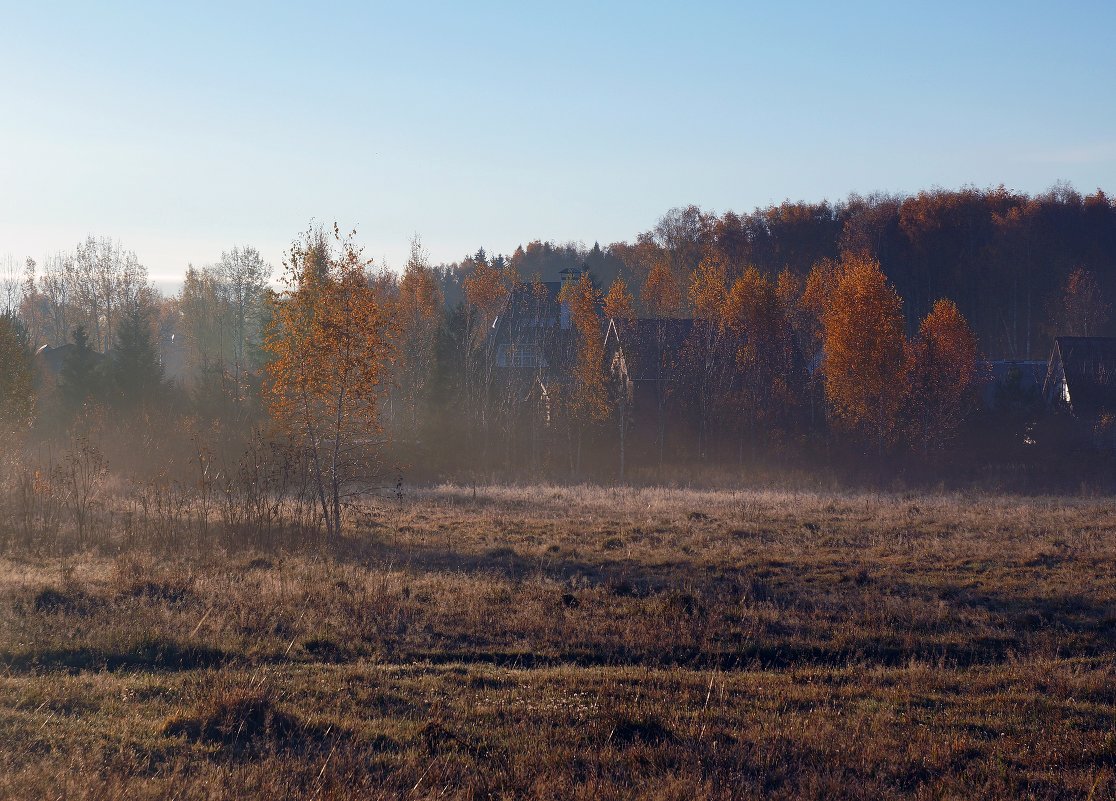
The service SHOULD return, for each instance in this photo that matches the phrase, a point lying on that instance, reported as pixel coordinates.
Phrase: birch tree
(330, 345)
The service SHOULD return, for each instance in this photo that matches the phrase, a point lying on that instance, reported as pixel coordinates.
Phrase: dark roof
(1088, 366)
(50, 359)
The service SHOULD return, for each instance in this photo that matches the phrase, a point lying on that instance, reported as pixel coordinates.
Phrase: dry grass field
(592, 643)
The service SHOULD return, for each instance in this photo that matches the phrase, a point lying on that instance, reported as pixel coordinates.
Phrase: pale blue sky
(183, 129)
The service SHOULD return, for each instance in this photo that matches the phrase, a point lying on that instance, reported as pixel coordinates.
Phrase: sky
(182, 129)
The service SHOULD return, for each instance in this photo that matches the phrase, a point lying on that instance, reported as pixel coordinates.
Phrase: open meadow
(551, 642)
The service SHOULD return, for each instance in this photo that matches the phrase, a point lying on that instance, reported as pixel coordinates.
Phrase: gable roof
(1082, 375)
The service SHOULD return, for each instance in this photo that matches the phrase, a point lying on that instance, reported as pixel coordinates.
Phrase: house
(646, 354)
(531, 334)
(49, 360)
(1081, 377)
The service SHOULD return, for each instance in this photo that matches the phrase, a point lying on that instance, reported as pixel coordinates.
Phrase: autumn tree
(108, 281)
(243, 275)
(817, 292)
(707, 353)
(204, 323)
(942, 366)
(1084, 309)
(57, 293)
(864, 351)
(662, 298)
(618, 302)
(417, 312)
(330, 347)
(16, 394)
(807, 315)
(660, 294)
(588, 395)
(762, 352)
(619, 310)
(486, 290)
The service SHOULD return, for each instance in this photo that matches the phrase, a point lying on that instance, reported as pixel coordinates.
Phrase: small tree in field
(330, 351)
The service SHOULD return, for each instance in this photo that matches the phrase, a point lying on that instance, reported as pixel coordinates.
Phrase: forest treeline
(819, 331)
(1003, 257)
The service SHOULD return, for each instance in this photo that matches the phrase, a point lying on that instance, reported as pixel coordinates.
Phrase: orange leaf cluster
(590, 395)
(864, 350)
(618, 303)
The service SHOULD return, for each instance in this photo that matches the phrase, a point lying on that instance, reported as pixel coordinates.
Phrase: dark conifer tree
(135, 372)
(80, 380)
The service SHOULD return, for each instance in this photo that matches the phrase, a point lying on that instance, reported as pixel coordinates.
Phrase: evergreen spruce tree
(80, 380)
(135, 371)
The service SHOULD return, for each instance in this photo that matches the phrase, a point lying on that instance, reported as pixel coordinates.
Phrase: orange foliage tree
(619, 309)
(660, 294)
(486, 294)
(618, 303)
(588, 401)
(417, 313)
(943, 372)
(821, 282)
(757, 319)
(663, 300)
(1085, 310)
(864, 351)
(330, 348)
(710, 365)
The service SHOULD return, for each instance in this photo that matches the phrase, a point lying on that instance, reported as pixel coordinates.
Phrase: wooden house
(1081, 377)
(646, 355)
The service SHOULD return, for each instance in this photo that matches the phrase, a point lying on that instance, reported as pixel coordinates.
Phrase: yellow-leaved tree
(588, 400)
(662, 299)
(619, 309)
(486, 290)
(943, 370)
(709, 364)
(865, 375)
(418, 308)
(755, 316)
(330, 348)
(619, 303)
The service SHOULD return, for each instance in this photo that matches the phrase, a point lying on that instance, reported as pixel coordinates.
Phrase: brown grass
(577, 642)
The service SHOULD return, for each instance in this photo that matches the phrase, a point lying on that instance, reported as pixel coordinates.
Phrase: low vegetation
(570, 642)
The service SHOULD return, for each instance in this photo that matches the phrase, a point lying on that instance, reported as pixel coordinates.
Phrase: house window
(526, 356)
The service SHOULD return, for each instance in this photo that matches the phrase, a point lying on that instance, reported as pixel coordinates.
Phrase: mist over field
(584, 401)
